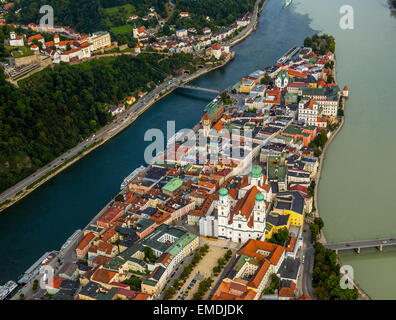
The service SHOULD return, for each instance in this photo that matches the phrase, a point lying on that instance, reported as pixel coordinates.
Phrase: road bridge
(357, 245)
(186, 86)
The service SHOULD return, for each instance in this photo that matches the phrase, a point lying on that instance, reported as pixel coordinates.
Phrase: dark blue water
(43, 220)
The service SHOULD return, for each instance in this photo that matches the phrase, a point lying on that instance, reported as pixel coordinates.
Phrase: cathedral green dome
(256, 171)
(259, 197)
(223, 192)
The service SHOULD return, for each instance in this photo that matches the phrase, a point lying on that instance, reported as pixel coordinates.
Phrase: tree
(35, 285)
(319, 221)
(119, 197)
(168, 294)
(274, 284)
(134, 283)
(307, 42)
(149, 255)
(266, 79)
(280, 237)
(314, 232)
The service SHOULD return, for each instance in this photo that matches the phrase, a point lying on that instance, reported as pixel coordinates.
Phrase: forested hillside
(223, 12)
(93, 15)
(53, 110)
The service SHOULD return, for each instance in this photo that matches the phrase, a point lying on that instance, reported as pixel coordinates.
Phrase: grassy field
(127, 28)
(127, 8)
(120, 12)
(25, 51)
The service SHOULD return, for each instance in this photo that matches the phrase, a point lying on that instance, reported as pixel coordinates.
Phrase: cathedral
(244, 218)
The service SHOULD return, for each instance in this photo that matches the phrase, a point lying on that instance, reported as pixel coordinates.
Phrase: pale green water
(357, 191)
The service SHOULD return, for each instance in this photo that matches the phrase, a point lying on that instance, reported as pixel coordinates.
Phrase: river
(43, 220)
(356, 196)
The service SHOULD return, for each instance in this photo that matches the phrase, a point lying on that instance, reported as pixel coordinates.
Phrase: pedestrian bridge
(186, 86)
(357, 245)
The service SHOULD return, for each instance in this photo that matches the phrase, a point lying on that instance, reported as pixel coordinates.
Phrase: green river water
(356, 193)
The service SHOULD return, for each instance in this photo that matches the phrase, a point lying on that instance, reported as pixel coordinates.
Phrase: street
(304, 284)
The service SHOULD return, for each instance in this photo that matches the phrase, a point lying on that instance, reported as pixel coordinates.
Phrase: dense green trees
(319, 142)
(223, 12)
(54, 110)
(203, 287)
(91, 15)
(83, 16)
(169, 293)
(315, 228)
(274, 284)
(280, 237)
(326, 276)
(320, 44)
(134, 283)
(149, 255)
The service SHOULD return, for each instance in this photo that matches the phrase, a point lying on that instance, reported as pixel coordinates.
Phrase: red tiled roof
(245, 205)
(287, 292)
(55, 283)
(259, 275)
(85, 241)
(103, 275)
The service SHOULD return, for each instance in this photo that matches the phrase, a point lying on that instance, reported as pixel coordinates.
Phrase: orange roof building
(249, 275)
(84, 245)
(287, 290)
(104, 277)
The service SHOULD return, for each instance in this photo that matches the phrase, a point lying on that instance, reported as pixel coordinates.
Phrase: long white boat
(288, 3)
(34, 269)
(70, 239)
(7, 289)
(132, 175)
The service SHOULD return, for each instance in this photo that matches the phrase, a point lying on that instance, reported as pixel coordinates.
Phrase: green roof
(173, 185)
(223, 192)
(214, 108)
(259, 197)
(256, 171)
(181, 243)
(149, 282)
(294, 130)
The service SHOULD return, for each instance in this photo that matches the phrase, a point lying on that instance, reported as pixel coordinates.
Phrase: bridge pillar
(357, 250)
(380, 247)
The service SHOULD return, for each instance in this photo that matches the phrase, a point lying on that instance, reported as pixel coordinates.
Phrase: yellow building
(100, 40)
(247, 86)
(276, 222)
(288, 211)
(130, 100)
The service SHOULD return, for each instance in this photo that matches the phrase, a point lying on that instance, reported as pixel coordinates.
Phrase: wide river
(355, 194)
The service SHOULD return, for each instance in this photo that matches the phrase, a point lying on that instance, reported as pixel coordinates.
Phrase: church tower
(135, 32)
(259, 213)
(206, 124)
(223, 209)
(256, 176)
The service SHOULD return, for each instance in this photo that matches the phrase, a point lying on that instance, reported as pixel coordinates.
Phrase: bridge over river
(357, 245)
(186, 86)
